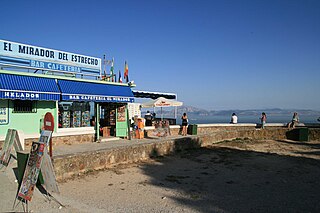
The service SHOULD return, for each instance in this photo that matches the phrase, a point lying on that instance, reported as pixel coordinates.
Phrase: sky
(214, 54)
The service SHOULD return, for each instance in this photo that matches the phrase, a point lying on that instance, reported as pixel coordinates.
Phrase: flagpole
(104, 65)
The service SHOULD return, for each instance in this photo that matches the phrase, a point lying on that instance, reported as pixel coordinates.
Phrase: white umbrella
(161, 102)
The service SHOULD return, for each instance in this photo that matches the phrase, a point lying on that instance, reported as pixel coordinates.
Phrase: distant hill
(200, 113)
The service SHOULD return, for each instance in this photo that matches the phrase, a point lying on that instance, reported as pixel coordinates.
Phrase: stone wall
(71, 165)
(314, 134)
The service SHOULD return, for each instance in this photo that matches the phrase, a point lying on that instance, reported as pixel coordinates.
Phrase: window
(21, 106)
(75, 114)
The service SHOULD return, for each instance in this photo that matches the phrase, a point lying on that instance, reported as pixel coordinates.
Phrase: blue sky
(215, 55)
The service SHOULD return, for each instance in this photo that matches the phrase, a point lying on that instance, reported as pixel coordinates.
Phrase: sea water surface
(251, 119)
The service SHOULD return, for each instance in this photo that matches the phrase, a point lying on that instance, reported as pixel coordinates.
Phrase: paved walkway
(61, 150)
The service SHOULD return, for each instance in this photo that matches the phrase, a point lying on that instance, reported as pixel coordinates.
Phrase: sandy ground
(232, 176)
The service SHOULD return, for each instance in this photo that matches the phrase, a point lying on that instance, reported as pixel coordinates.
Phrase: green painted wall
(29, 123)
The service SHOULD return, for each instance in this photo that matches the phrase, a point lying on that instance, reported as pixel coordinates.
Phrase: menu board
(112, 118)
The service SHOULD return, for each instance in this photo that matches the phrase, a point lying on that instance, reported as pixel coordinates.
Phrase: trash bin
(303, 134)
(22, 158)
(193, 129)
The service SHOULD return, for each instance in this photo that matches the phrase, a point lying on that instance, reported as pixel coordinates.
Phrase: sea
(223, 119)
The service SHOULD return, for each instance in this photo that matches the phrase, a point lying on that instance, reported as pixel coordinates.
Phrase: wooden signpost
(12, 140)
(38, 160)
(48, 175)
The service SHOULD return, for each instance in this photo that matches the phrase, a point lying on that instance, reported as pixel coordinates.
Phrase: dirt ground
(231, 176)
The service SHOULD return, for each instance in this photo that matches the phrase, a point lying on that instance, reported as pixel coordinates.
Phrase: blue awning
(28, 88)
(97, 92)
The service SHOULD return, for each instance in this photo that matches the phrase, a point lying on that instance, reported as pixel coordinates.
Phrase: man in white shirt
(234, 118)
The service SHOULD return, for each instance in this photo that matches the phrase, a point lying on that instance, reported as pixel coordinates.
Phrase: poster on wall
(33, 166)
(121, 114)
(85, 121)
(77, 119)
(66, 119)
(4, 113)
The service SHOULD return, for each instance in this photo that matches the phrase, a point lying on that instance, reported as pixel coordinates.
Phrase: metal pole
(97, 121)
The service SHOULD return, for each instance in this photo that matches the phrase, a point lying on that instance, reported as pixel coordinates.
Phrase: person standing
(184, 124)
(234, 118)
(263, 120)
(148, 118)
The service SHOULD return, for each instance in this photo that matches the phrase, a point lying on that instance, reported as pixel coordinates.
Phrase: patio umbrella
(161, 102)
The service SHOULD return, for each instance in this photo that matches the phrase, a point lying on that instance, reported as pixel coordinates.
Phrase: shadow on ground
(217, 179)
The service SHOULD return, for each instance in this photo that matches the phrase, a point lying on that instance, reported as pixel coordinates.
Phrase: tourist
(294, 121)
(263, 120)
(234, 118)
(148, 118)
(184, 124)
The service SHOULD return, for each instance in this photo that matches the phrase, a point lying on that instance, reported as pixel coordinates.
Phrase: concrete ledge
(61, 132)
(74, 131)
(228, 125)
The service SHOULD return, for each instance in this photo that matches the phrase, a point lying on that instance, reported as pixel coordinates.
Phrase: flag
(111, 70)
(120, 79)
(126, 72)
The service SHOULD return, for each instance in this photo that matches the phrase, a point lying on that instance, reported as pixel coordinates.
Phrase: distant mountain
(200, 113)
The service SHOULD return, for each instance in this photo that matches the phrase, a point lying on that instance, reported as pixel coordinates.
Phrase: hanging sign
(23, 55)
